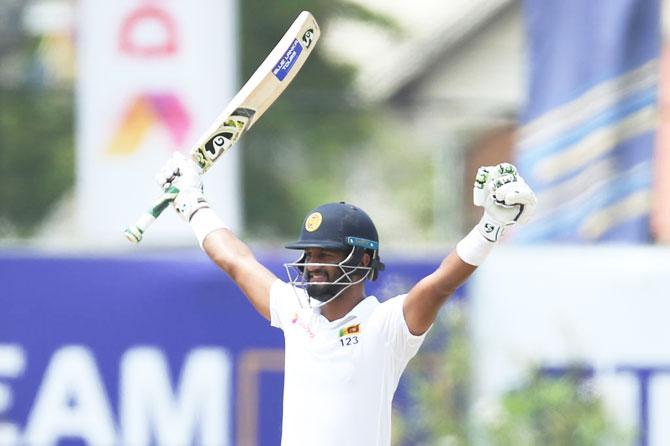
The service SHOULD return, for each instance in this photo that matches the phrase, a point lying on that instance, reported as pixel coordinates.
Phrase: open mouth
(318, 277)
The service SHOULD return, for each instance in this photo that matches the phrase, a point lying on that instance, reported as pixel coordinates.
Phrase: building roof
(432, 29)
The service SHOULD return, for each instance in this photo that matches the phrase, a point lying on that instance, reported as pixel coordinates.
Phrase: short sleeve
(283, 303)
(394, 327)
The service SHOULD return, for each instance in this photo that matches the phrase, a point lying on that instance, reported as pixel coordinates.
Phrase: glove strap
(490, 228)
(188, 202)
(474, 248)
(204, 222)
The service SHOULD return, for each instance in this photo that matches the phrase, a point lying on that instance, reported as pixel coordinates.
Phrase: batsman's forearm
(226, 250)
(236, 259)
(451, 274)
(444, 281)
(427, 297)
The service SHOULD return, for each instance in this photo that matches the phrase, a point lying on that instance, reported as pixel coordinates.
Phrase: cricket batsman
(345, 351)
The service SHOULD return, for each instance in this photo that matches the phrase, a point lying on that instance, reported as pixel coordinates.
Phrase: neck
(343, 304)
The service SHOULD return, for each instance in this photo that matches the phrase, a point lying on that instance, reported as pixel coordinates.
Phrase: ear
(365, 261)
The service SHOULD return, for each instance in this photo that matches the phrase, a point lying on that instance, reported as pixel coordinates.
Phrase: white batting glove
(183, 175)
(505, 197)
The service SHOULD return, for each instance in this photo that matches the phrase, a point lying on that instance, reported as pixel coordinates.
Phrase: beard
(323, 293)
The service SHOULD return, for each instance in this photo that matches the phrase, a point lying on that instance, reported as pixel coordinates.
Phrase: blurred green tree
(542, 410)
(314, 126)
(36, 138)
(298, 153)
(553, 411)
(439, 384)
(36, 156)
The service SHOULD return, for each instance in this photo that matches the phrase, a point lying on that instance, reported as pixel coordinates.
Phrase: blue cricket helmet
(344, 227)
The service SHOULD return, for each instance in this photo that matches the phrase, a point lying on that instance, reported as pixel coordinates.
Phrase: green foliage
(36, 156)
(358, 12)
(543, 410)
(553, 412)
(440, 386)
(298, 153)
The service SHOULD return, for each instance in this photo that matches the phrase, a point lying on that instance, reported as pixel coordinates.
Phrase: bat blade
(257, 95)
(261, 90)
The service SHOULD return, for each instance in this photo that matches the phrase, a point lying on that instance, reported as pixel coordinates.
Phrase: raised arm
(235, 258)
(507, 200)
(221, 245)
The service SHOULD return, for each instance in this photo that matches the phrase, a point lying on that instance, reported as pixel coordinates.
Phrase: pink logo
(304, 325)
(149, 32)
(145, 112)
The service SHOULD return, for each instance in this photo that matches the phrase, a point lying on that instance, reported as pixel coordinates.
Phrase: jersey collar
(361, 311)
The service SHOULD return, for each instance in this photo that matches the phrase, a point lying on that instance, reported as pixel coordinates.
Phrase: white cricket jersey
(340, 376)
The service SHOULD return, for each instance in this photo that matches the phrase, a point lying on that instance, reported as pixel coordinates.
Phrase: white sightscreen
(152, 77)
(605, 308)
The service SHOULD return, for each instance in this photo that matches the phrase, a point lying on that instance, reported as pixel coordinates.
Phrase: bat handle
(135, 232)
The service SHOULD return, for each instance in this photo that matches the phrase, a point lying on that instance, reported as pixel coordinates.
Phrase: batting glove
(505, 197)
(182, 177)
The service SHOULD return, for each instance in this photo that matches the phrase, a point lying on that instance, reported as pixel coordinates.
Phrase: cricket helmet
(343, 227)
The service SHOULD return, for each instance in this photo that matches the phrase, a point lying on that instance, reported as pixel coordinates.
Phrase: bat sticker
(307, 37)
(218, 143)
(227, 134)
(288, 59)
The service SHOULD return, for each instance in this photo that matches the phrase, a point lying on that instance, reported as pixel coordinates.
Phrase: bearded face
(324, 274)
(321, 277)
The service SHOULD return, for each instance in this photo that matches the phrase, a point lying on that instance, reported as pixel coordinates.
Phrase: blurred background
(560, 338)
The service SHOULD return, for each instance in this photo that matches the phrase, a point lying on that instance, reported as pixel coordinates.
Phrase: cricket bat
(256, 96)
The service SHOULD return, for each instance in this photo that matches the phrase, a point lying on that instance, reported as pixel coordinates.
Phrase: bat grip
(135, 232)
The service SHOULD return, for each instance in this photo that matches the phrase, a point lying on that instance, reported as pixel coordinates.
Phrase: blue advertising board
(125, 351)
